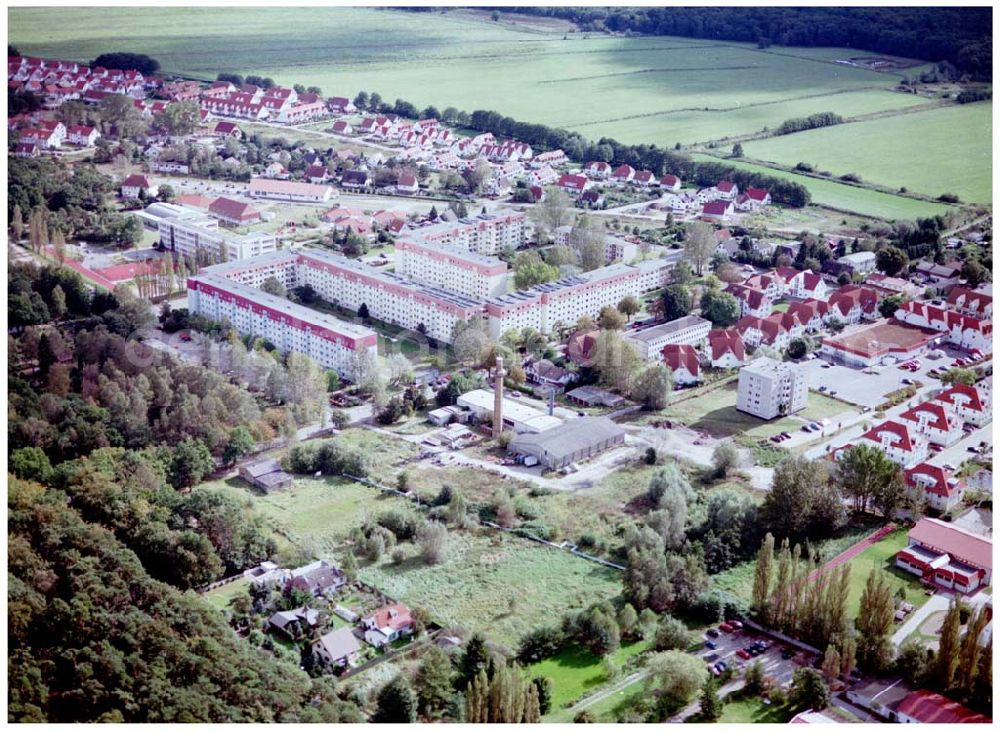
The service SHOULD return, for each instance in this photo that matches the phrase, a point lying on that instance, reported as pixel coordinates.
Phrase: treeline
(798, 124)
(961, 36)
(140, 62)
(94, 638)
(973, 95)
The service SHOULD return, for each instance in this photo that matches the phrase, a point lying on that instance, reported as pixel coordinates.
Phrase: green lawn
(575, 671)
(753, 711)
(943, 150)
(641, 89)
(882, 556)
(500, 585)
(220, 596)
(714, 411)
(839, 195)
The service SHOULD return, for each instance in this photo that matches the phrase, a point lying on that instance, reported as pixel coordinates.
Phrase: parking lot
(868, 388)
(778, 668)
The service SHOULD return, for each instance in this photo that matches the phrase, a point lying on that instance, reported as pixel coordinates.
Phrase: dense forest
(961, 36)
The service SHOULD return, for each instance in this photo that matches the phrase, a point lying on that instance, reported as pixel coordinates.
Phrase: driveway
(937, 603)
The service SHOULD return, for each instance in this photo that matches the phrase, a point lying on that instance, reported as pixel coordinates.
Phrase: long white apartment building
(457, 270)
(349, 283)
(769, 388)
(690, 330)
(331, 342)
(194, 232)
(564, 301)
(487, 234)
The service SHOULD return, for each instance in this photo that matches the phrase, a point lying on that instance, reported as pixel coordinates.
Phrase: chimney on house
(498, 399)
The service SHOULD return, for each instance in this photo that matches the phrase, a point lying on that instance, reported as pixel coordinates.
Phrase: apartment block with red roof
(726, 349)
(969, 404)
(753, 302)
(597, 169)
(902, 445)
(942, 491)
(964, 331)
(933, 421)
(948, 556)
(851, 304)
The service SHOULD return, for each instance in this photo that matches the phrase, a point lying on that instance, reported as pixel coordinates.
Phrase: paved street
(934, 604)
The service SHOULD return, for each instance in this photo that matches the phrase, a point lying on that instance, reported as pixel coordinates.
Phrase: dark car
(711, 645)
(712, 633)
(787, 653)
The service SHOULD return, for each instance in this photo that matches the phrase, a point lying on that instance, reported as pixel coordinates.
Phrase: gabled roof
(968, 396)
(678, 356)
(230, 209)
(339, 643)
(935, 479)
(226, 127)
(315, 171)
(726, 341)
(936, 417)
(756, 194)
(568, 180)
(725, 186)
(623, 171)
(359, 177)
(716, 208)
(898, 431)
(929, 707)
(136, 181)
(958, 543)
(669, 180)
(396, 616)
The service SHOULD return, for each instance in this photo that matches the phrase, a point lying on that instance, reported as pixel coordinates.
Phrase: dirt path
(609, 691)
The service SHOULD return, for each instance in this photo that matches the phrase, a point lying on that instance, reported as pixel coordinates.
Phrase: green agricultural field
(841, 196)
(943, 150)
(500, 585)
(642, 89)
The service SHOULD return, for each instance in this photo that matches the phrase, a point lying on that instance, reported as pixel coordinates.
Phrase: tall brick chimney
(498, 398)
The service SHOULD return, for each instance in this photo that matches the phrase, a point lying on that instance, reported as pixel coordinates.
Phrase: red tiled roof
(395, 616)
(623, 171)
(572, 181)
(974, 301)
(716, 208)
(669, 180)
(845, 298)
(956, 542)
(226, 127)
(971, 393)
(931, 708)
(136, 181)
(597, 165)
(122, 272)
(315, 171)
(681, 356)
(938, 417)
(756, 194)
(230, 209)
(940, 479)
(193, 199)
(903, 441)
(726, 341)
(643, 176)
(725, 186)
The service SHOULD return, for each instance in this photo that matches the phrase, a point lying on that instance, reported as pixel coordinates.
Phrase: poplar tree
(970, 652)
(848, 653)
(762, 576)
(778, 601)
(17, 222)
(875, 618)
(946, 660)
(831, 663)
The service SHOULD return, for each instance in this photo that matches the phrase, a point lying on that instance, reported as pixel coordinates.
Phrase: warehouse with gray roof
(571, 442)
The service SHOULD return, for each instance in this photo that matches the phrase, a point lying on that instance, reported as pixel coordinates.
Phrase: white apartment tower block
(769, 388)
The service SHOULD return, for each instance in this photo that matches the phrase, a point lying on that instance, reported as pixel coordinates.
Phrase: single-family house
(970, 404)
(294, 623)
(623, 174)
(387, 624)
(83, 136)
(932, 420)
(573, 183)
(726, 190)
(354, 179)
(592, 198)
(644, 178)
(316, 173)
(726, 349)
(717, 210)
(137, 184)
(670, 183)
(597, 169)
(940, 489)
(337, 648)
(546, 373)
(319, 578)
(26, 150)
(228, 129)
(407, 184)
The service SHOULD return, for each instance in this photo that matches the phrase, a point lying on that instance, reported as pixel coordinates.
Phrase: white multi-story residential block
(193, 234)
(332, 343)
(769, 388)
(690, 330)
(487, 234)
(546, 306)
(454, 269)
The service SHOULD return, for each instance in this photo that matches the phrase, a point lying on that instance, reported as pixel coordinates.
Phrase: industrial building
(570, 442)
(515, 415)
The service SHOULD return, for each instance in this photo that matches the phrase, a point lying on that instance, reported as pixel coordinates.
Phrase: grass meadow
(644, 89)
(935, 151)
(841, 196)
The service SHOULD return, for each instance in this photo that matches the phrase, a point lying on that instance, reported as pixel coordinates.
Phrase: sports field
(844, 197)
(943, 150)
(643, 89)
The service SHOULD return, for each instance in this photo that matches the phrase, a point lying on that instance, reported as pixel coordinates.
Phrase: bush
(540, 644)
(404, 526)
(672, 635)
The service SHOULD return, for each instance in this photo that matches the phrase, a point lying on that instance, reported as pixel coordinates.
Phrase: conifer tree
(946, 659)
(762, 577)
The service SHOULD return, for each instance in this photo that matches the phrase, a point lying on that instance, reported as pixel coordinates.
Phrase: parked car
(822, 388)
(948, 466)
(743, 653)
(787, 653)
(726, 628)
(736, 624)
(712, 633)
(711, 644)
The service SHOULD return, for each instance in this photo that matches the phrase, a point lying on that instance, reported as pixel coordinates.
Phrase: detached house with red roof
(387, 624)
(902, 445)
(717, 210)
(726, 349)
(137, 184)
(968, 403)
(726, 190)
(682, 360)
(597, 169)
(934, 422)
(941, 490)
(645, 179)
(753, 199)
(807, 284)
(407, 184)
(670, 183)
(573, 183)
(948, 556)
(83, 136)
(812, 314)
(623, 174)
(233, 213)
(228, 129)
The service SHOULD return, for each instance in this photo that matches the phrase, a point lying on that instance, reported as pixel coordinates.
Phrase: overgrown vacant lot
(642, 89)
(497, 584)
(944, 150)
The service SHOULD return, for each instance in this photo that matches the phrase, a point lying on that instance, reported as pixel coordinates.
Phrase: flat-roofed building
(333, 343)
(487, 234)
(193, 234)
(454, 269)
(769, 388)
(287, 190)
(690, 330)
(516, 416)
